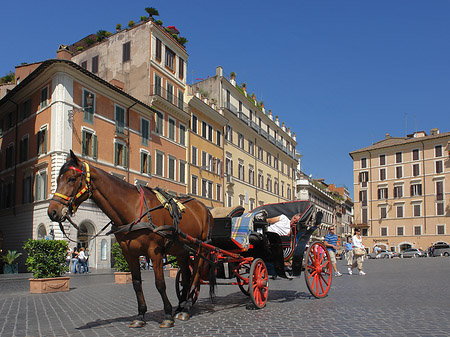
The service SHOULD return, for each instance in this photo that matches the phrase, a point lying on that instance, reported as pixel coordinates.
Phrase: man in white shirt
(281, 224)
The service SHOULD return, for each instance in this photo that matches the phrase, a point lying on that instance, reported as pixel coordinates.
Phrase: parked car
(383, 254)
(441, 249)
(413, 252)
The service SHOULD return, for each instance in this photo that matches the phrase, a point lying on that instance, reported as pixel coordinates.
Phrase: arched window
(104, 250)
(42, 232)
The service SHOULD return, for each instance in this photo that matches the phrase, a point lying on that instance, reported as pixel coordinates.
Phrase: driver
(281, 224)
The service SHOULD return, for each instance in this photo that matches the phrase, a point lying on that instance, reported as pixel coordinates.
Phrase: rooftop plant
(118, 27)
(152, 11)
(131, 23)
(9, 77)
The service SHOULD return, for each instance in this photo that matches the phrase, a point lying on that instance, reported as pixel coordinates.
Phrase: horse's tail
(212, 281)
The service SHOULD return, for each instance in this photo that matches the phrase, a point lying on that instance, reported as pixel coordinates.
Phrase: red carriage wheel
(259, 283)
(243, 275)
(318, 270)
(179, 287)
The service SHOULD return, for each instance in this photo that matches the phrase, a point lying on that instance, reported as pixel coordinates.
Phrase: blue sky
(340, 73)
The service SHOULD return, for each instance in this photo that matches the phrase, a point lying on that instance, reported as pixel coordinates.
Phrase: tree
(9, 77)
(152, 11)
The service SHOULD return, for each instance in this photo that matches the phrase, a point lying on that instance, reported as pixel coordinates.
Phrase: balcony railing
(231, 107)
(272, 139)
(279, 144)
(263, 133)
(243, 117)
(120, 127)
(169, 97)
(254, 126)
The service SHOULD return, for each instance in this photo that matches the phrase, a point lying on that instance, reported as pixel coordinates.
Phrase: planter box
(49, 285)
(173, 272)
(122, 277)
(11, 268)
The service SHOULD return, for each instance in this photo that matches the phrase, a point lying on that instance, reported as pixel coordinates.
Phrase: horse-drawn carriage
(149, 222)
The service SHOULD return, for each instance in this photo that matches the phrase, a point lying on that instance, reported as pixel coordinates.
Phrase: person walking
(74, 260)
(349, 251)
(358, 252)
(330, 242)
(82, 260)
(68, 259)
(86, 254)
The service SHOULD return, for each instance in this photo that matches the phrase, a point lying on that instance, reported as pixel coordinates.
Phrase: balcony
(243, 117)
(264, 133)
(272, 139)
(232, 108)
(169, 97)
(279, 144)
(254, 126)
(120, 128)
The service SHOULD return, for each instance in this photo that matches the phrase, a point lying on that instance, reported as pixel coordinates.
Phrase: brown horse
(124, 204)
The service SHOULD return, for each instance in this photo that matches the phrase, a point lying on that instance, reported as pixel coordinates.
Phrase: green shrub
(131, 23)
(79, 48)
(173, 261)
(120, 264)
(118, 27)
(159, 22)
(144, 18)
(46, 258)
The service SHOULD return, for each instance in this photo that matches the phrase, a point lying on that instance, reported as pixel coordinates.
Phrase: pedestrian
(330, 242)
(82, 260)
(349, 251)
(74, 260)
(86, 254)
(376, 250)
(359, 252)
(68, 258)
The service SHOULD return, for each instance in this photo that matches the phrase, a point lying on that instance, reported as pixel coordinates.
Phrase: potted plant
(47, 262)
(173, 266)
(118, 27)
(152, 11)
(122, 274)
(232, 75)
(9, 266)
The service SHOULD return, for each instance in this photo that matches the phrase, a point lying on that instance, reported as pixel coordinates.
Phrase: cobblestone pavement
(398, 297)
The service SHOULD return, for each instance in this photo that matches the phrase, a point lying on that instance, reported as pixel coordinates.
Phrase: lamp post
(71, 113)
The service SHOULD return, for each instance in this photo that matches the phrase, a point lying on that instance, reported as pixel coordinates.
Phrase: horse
(123, 203)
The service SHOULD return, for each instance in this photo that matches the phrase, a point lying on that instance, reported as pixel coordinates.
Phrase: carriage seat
(233, 233)
(227, 212)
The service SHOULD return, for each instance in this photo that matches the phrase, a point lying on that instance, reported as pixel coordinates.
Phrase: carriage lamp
(89, 102)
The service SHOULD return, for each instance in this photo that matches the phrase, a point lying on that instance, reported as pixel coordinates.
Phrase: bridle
(70, 201)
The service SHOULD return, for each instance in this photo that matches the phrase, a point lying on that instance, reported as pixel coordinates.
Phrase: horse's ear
(73, 157)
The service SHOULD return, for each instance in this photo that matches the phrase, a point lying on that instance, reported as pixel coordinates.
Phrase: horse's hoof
(137, 324)
(182, 316)
(167, 324)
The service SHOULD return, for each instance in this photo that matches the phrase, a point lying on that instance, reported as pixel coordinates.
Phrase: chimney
(63, 53)
(219, 71)
(434, 131)
(388, 135)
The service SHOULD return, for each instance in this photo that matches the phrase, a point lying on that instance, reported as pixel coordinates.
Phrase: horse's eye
(72, 179)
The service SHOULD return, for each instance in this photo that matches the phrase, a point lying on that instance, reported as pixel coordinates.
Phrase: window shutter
(149, 164)
(44, 187)
(83, 143)
(412, 188)
(420, 189)
(44, 135)
(94, 146)
(142, 162)
(125, 157)
(39, 137)
(36, 188)
(115, 154)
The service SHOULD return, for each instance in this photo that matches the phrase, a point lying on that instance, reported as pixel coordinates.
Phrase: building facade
(402, 189)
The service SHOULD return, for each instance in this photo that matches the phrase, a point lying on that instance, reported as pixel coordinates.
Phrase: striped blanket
(241, 228)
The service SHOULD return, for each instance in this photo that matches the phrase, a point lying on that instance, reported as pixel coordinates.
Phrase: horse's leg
(186, 277)
(168, 321)
(139, 322)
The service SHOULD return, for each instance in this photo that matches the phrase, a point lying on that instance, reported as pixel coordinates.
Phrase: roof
(48, 63)
(395, 141)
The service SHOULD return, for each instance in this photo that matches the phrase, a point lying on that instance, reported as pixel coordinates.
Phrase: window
(88, 110)
(159, 121)
(415, 154)
(398, 157)
(159, 163)
(194, 184)
(399, 211)
(364, 215)
(241, 140)
(416, 170)
(104, 250)
(218, 138)
(182, 174)
(145, 127)
(382, 159)
(399, 172)
(383, 212)
(438, 151)
(158, 50)
(229, 134)
(269, 159)
(416, 189)
(180, 68)
(439, 167)
(288, 192)
(180, 100)
(383, 231)
(241, 170)
(158, 85)
(89, 144)
(276, 188)
(363, 197)
(24, 149)
(194, 156)
(182, 134)
(229, 200)
(363, 177)
(194, 123)
(146, 163)
(95, 64)
(171, 126)
(40, 186)
(417, 209)
(27, 190)
(382, 193)
(169, 92)
(219, 166)
(441, 229)
(25, 109)
(172, 164)
(126, 52)
(400, 231)
(241, 200)
(170, 56)
(260, 153)
(250, 147)
(9, 160)
(383, 174)
(260, 179)
(84, 64)
(282, 189)
(417, 230)
(205, 165)
(120, 119)
(363, 162)
(269, 184)
(44, 97)
(398, 191)
(275, 163)
(219, 192)
(42, 141)
(439, 198)
(251, 175)
(120, 154)
(207, 187)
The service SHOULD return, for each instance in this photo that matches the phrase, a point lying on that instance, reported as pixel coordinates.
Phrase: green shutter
(142, 162)
(94, 146)
(83, 143)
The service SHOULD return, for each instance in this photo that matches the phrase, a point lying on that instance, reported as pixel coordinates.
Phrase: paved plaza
(398, 297)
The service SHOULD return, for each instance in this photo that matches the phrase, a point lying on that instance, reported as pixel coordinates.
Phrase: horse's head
(73, 187)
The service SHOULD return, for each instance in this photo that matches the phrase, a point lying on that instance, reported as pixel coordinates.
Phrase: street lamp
(89, 102)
